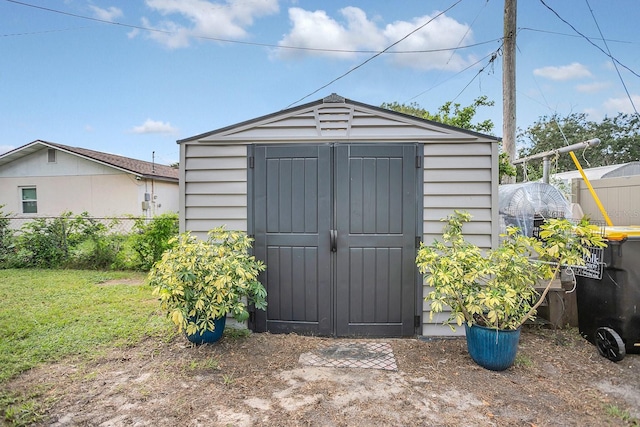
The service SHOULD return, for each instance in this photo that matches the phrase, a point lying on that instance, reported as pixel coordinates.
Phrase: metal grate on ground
(367, 355)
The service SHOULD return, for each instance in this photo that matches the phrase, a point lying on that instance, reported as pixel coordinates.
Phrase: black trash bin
(609, 308)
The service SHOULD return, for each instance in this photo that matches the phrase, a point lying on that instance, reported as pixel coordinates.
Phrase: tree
(453, 114)
(619, 141)
(449, 113)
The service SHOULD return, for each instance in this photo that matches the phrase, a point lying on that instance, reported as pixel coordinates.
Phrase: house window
(29, 200)
(51, 155)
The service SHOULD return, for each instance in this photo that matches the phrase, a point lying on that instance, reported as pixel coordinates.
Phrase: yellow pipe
(593, 193)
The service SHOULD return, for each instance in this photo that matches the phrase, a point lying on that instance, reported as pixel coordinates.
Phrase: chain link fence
(84, 241)
(113, 225)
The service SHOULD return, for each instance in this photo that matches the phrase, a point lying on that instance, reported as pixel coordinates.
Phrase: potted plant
(493, 292)
(200, 282)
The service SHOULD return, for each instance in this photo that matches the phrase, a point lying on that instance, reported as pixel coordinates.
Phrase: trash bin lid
(622, 232)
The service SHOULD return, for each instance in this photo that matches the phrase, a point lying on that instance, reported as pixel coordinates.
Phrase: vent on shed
(334, 120)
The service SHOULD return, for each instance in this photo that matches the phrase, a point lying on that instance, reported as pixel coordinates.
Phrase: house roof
(335, 117)
(139, 168)
(610, 171)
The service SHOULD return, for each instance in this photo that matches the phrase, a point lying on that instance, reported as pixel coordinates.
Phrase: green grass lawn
(46, 315)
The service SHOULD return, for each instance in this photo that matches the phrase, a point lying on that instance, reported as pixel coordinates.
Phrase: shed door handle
(333, 234)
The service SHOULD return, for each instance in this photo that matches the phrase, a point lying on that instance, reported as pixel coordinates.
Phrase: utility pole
(509, 82)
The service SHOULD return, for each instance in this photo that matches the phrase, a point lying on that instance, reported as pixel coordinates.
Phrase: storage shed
(337, 195)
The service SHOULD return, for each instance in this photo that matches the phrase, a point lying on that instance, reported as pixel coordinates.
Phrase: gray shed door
(336, 226)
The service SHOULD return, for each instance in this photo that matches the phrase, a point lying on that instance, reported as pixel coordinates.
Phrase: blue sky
(132, 77)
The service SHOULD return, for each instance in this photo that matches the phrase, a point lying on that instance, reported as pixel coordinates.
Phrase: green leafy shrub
(97, 253)
(83, 242)
(151, 238)
(93, 246)
(496, 288)
(43, 242)
(199, 281)
(68, 241)
(7, 239)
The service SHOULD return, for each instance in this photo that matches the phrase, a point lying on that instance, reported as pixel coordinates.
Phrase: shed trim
(345, 131)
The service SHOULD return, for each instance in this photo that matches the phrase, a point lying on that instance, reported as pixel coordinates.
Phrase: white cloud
(88, 128)
(203, 18)
(109, 14)
(613, 106)
(133, 33)
(153, 126)
(594, 114)
(170, 35)
(563, 72)
(317, 30)
(593, 87)
(5, 148)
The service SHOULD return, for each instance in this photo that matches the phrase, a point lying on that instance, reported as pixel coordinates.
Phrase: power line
(376, 55)
(453, 76)
(42, 32)
(611, 56)
(104, 21)
(571, 35)
(222, 40)
(453, 53)
(588, 39)
(494, 55)
(468, 29)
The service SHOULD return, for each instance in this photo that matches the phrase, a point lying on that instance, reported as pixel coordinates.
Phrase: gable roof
(335, 117)
(139, 168)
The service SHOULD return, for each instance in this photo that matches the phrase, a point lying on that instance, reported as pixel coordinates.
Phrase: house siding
(215, 188)
(59, 183)
(75, 184)
(458, 176)
(99, 198)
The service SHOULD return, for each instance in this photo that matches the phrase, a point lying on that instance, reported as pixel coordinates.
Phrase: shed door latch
(333, 237)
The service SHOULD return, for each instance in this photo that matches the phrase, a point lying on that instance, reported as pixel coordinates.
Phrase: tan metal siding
(457, 176)
(200, 227)
(216, 200)
(440, 330)
(204, 150)
(224, 163)
(435, 214)
(215, 186)
(236, 175)
(332, 123)
(224, 212)
(619, 196)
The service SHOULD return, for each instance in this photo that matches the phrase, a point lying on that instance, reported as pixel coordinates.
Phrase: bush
(200, 281)
(152, 238)
(43, 242)
(83, 242)
(6, 239)
(98, 251)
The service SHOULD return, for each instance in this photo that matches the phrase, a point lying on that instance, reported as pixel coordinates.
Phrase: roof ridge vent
(333, 98)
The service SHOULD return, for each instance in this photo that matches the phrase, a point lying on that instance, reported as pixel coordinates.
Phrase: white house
(46, 179)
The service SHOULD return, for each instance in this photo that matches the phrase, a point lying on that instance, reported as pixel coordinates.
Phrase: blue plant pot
(492, 349)
(208, 337)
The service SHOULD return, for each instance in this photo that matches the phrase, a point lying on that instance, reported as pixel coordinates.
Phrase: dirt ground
(558, 380)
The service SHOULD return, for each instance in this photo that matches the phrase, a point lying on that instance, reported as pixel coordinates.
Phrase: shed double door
(336, 225)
